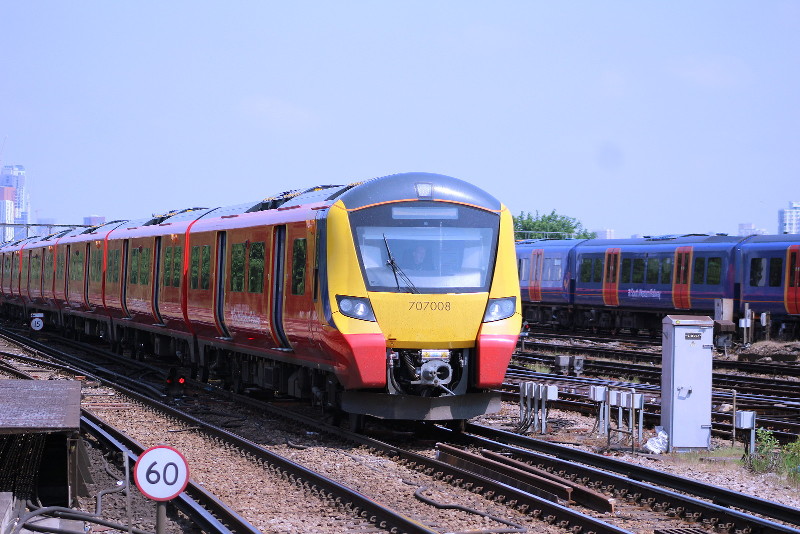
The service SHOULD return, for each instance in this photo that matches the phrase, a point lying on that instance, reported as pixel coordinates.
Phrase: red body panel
(792, 285)
(494, 353)
(611, 277)
(682, 278)
(537, 264)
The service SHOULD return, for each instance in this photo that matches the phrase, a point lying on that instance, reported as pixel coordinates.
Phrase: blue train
(633, 283)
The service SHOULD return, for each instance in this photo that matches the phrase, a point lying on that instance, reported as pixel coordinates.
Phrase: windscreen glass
(426, 247)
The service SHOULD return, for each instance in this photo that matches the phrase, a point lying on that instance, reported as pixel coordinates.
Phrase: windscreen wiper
(398, 272)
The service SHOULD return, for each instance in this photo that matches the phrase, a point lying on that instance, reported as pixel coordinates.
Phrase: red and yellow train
(396, 297)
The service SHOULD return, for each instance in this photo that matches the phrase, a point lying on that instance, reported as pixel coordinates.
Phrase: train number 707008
(423, 305)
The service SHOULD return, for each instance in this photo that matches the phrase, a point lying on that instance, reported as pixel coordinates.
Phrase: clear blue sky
(644, 117)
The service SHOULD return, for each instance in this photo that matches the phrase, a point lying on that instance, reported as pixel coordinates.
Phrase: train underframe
(573, 318)
(422, 385)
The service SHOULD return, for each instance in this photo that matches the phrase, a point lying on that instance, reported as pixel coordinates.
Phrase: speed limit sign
(161, 473)
(37, 321)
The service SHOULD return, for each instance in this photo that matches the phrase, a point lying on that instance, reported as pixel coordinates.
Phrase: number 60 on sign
(161, 473)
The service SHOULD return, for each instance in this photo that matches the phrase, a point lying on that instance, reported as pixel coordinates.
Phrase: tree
(553, 225)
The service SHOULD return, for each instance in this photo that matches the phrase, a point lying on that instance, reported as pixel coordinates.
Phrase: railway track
(453, 467)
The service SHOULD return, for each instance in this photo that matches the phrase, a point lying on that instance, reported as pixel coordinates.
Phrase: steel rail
(715, 494)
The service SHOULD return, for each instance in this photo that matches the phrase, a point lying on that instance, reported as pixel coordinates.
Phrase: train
(615, 284)
(395, 297)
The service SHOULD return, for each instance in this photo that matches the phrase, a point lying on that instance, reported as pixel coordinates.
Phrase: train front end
(423, 289)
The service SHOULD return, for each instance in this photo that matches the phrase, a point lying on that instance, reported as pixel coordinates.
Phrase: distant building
(606, 233)
(94, 220)
(789, 219)
(14, 176)
(6, 216)
(746, 229)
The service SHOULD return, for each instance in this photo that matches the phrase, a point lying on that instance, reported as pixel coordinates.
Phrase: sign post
(161, 474)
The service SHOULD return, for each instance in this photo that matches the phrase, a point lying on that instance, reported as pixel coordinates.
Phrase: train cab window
(638, 270)
(652, 270)
(237, 267)
(666, 270)
(552, 270)
(166, 279)
(255, 269)
(775, 272)
(76, 265)
(299, 267)
(699, 274)
(714, 272)
(586, 270)
(435, 247)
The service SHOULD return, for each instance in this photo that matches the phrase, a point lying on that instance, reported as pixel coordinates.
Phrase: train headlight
(498, 309)
(355, 307)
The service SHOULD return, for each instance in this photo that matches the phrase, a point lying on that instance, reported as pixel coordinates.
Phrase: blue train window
(699, 275)
(666, 270)
(775, 272)
(638, 270)
(625, 273)
(652, 270)
(714, 274)
(586, 270)
(598, 270)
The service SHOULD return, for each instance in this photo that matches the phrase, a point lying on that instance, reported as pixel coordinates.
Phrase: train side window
(177, 266)
(167, 278)
(793, 267)
(133, 275)
(195, 259)
(666, 270)
(598, 270)
(698, 277)
(552, 269)
(299, 267)
(237, 267)
(255, 274)
(522, 268)
(48, 265)
(775, 272)
(112, 268)
(757, 273)
(95, 265)
(205, 268)
(76, 266)
(638, 270)
(586, 270)
(652, 270)
(36, 268)
(625, 273)
(60, 267)
(714, 273)
(144, 266)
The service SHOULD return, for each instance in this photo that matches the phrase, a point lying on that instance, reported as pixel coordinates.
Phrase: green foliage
(791, 459)
(768, 456)
(553, 225)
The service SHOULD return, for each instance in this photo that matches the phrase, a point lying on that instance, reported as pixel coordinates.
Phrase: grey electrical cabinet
(687, 350)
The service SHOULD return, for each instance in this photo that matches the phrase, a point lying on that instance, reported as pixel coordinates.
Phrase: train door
(537, 264)
(792, 286)
(611, 277)
(24, 277)
(278, 274)
(297, 287)
(15, 268)
(681, 291)
(219, 290)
